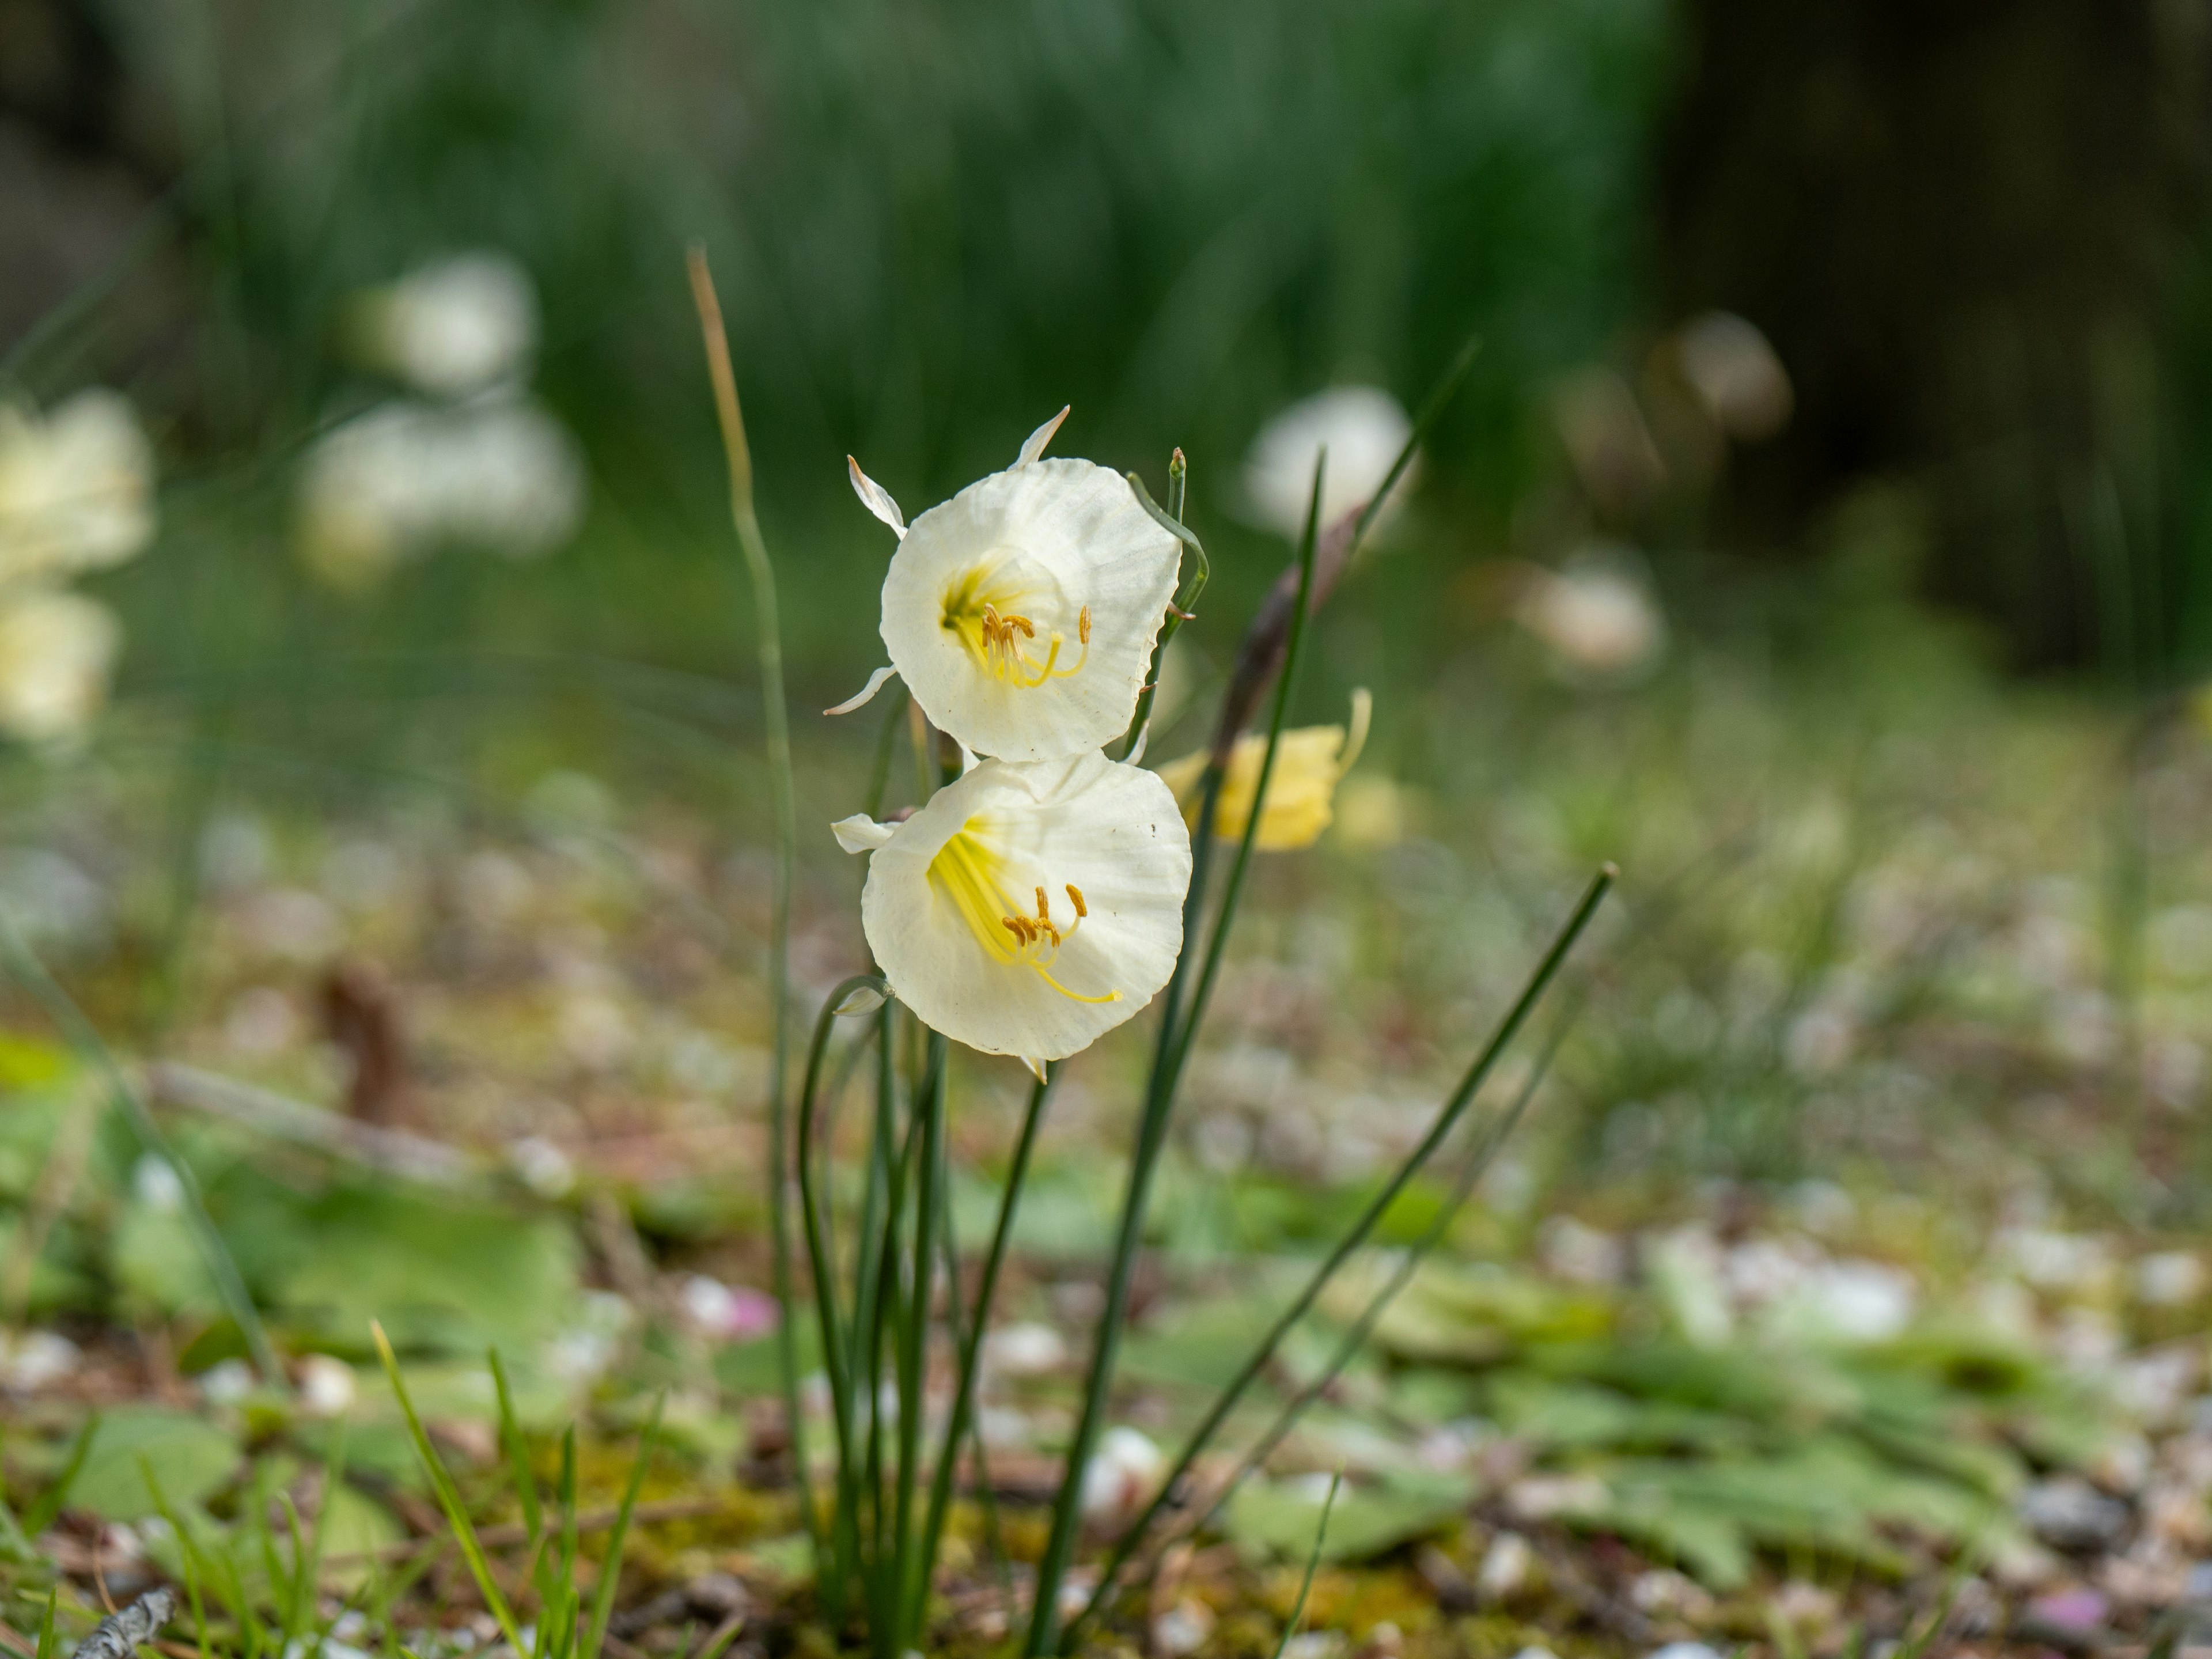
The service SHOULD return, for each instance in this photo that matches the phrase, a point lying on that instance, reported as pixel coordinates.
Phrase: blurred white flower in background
(1121, 1474)
(1597, 615)
(31, 1359)
(76, 488)
(475, 463)
(1736, 375)
(453, 327)
(76, 494)
(405, 479)
(328, 1386)
(1363, 428)
(58, 651)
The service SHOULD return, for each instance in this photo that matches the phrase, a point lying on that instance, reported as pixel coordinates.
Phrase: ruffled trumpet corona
(1021, 613)
(1028, 909)
(1301, 790)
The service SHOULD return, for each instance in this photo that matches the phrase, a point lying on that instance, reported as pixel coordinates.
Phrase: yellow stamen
(979, 608)
(967, 872)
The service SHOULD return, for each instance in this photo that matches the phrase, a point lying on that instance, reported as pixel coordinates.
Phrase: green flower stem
(1446, 1119)
(93, 1053)
(1313, 1565)
(886, 1320)
(835, 1358)
(1174, 1047)
(1186, 597)
(776, 722)
(913, 1345)
(995, 1538)
(963, 1398)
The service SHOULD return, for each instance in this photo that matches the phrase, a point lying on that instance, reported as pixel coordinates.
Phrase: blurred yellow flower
(1301, 794)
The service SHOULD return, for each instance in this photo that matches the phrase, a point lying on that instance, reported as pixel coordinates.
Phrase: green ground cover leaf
(191, 1457)
(1279, 1518)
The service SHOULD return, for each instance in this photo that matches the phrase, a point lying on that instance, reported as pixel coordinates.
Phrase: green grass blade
(46, 1509)
(603, 1600)
(300, 1596)
(48, 1646)
(93, 1054)
(1060, 1547)
(1446, 1119)
(518, 1451)
(1471, 1172)
(188, 1554)
(1313, 1565)
(776, 723)
(449, 1499)
(334, 1468)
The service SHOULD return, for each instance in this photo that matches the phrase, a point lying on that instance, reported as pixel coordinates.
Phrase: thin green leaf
(1313, 1564)
(449, 1498)
(518, 1450)
(603, 1601)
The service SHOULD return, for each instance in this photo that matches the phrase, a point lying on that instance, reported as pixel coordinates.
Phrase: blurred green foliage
(932, 225)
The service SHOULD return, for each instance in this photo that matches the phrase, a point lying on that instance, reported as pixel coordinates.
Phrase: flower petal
(877, 499)
(1110, 832)
(1033, 445)
(1054, 539)
(875, 685)
(860, 833)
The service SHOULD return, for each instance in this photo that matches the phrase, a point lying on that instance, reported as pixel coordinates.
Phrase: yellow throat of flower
(969, 874)
(983, 610)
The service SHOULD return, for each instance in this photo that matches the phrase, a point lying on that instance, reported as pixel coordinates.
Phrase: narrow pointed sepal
(1033, 445)
(876, 682)
(877, 499)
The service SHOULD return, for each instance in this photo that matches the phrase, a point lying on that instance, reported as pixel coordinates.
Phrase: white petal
(860, 833)
(1033, 445)
(875, 685)
(1111, 830)
(1063, 535)
(877, 499)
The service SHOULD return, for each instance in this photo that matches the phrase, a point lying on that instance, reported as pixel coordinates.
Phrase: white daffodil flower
(1301, 790)
(1022, 612)
(1028, 909)
(76, 488)
(57, 651)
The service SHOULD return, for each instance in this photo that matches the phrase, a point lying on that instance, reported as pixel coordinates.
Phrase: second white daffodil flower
(1029, 909)
(1021, 613)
